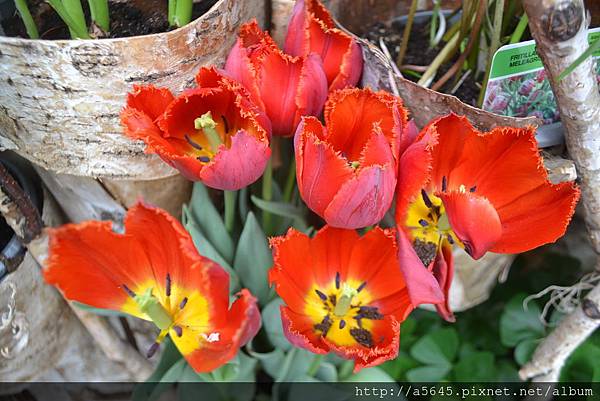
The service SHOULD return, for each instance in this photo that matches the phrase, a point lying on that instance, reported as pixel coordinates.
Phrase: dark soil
(138, 17)
(419, 53)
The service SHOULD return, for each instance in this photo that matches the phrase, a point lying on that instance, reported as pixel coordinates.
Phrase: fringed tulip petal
(443, 271)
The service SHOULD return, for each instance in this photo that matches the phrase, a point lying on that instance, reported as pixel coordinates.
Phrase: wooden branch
(559, 28)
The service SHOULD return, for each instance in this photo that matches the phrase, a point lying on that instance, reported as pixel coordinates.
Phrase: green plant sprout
(180, 12)
(23, 10)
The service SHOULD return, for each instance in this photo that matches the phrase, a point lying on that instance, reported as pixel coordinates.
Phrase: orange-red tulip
(343, 293)
(312, 30)
(347, 170)
(212, 133)
(481, 191)
(153, 272)
(285, 87)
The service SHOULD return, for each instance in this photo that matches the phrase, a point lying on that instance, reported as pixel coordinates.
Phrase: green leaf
(270, 361)
(525, 350)
(431, 373)
(437, 348)
(99, 311)
(370, 375)
(208, 219)
(399, 366)
(582, 365)
(171, 376)
(278, 208)
(253, 259)
(327, 373)
(518, 324)
(271, 317)
(295, 366)
(476, 367)
(169, 357)
(589, 51)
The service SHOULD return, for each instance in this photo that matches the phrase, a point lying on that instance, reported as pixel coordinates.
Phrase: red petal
(321, 172)
(474, 221)
(364, 199)
(443, 271)
(409, 135)
(298, 329)
(149, 100)
(296, 40)
(239, 166)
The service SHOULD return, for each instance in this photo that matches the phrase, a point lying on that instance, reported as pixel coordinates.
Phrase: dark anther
(178, 330)
(426, 251)
(423, 222)
(226, 126)
(183, 302)
(128, 291)
(362, 336)
(360, 287)
(333, 299)
(473, 188)
(168, 286)
(337, 280)
(590, 309)
(204, 159)
(152, 350)
(426, 199)
(358, 320)
(321, 295)
(450, 239)
(468, 248)
(444, 184)
(192, 143)
(342, 324)
(369, 312)
(324, 326)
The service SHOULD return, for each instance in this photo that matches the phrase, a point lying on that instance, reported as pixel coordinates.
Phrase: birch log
(559, 28)
(60, 99)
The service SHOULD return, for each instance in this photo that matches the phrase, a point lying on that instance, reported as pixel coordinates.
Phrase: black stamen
(450, 239)
(168, 287)
(360, 287)
(178, 330)
(204, 159)
(473, 188)
(128, 291)
(423, 222)
(369, 312)
(324, 326)
(192, 143)
(321, 295)
(426, 199)
(152, 350)
(342, 324)
(183, 302)
(362, 336)
(226, 126)
(333, 299)
(444, 184)
(337, 280)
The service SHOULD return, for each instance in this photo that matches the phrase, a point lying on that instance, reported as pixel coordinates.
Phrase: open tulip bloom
(346, 171)
(284, 86)
(153, 272)
(212, 133)
(479, 191)
(313, 30)
(348, 298)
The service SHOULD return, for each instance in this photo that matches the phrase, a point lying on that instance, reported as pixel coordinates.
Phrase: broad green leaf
(437, 348)
(525, 350)
(99, 311)
(270, 361)
(430, 373)
(327, 373)
(169, 357)
(518, 324)
(398, 367)
(253, 259)
(208, 219)
(476, 367)
(278, 208)
(171, 376)
(188, 388)
(370, 375)
(582, 365)
(271, 317)
(295, 366)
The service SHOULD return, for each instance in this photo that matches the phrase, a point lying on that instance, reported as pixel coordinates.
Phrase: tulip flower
(312, 30)
(285, 87)
(212, 133)
(479, 191)
(347, 170)
(153, 272)
(342, 293)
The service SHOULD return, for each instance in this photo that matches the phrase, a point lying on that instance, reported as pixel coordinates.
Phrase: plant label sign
(518, 87)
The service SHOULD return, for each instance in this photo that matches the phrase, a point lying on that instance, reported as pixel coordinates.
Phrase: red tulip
(480, 191)
(212, 133)
(312, 30)
(285, 87)
(347, 170)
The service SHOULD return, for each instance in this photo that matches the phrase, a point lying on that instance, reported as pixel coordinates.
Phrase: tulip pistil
(208, 127)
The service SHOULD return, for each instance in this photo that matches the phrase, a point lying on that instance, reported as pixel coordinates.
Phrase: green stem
(183, 12)
(439, 59)
(315, 365)
(267, 194)
(290, 181)
(171, 12)
(32, 31)
(79, 30)
(519, 30)
(75, 11)
(494, 45)
(99, 12)
(230, 198)
(406, 33)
